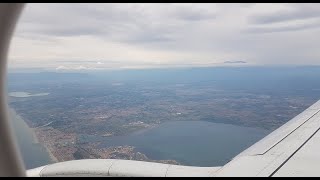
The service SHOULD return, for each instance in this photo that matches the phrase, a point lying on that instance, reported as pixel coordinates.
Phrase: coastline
(35, 138)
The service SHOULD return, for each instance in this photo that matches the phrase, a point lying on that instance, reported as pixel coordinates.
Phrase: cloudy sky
(102, 36)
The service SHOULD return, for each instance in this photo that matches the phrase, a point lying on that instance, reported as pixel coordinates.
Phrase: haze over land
(96, 115)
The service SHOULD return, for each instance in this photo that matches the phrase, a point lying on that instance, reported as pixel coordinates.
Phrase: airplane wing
(291, 150)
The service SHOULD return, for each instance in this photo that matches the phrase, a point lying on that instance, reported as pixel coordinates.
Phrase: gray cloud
(298, 12)
(194, 14)
(128, 22)
(284, 29)
(139, 35)
(70, 31)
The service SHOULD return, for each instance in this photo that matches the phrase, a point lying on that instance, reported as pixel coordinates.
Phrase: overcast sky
(99, 36)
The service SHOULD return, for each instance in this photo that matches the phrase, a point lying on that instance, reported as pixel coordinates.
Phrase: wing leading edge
(291, 150)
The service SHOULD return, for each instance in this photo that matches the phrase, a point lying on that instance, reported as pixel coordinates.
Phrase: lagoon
(192, 143)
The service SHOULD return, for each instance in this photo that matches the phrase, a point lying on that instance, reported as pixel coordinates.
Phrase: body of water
(26, 94)
(194, 143)
(33, 153)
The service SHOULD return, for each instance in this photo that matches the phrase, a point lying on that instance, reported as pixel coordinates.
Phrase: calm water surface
(194, 143)
(33, 153)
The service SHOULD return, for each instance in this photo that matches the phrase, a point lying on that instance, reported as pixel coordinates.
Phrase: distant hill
(235, 62)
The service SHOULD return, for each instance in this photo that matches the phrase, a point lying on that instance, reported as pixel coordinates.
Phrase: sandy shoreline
(35, 138)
